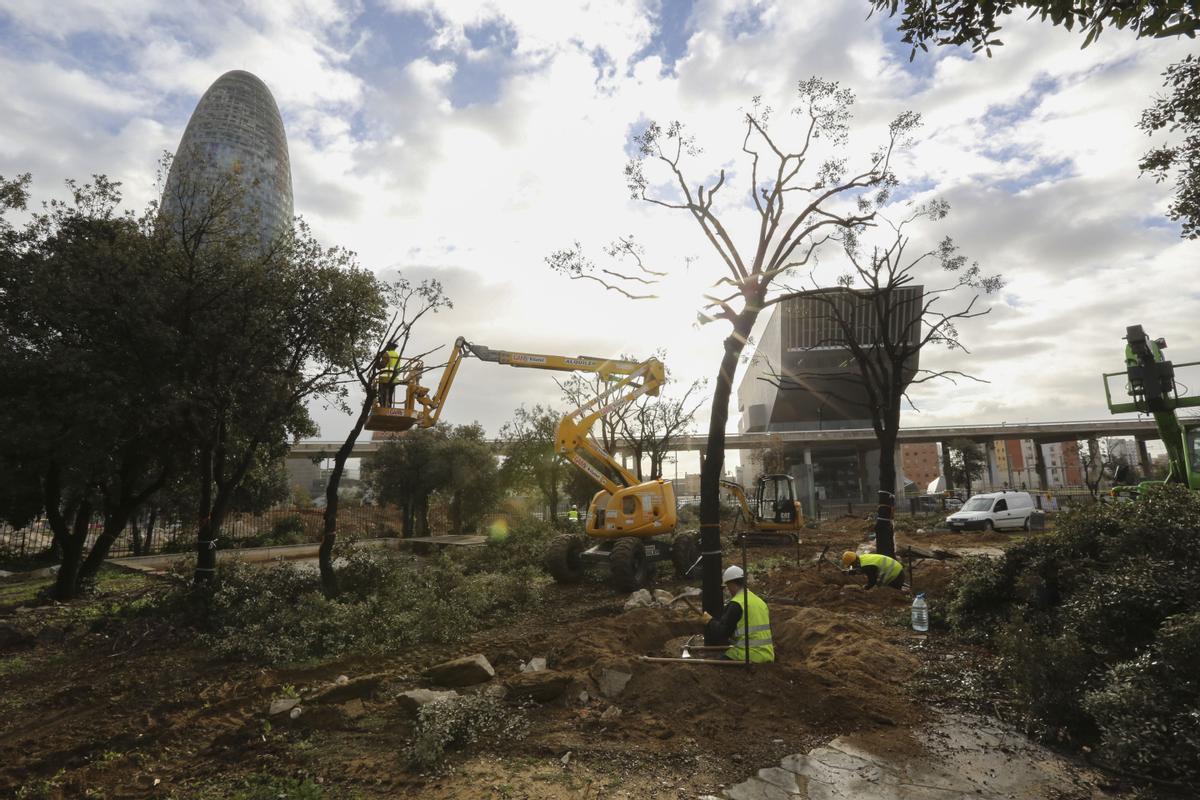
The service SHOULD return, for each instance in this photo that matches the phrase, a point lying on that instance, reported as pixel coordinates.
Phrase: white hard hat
(733, 573)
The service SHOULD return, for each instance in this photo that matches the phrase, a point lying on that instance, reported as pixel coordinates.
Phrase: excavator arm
(739, 493)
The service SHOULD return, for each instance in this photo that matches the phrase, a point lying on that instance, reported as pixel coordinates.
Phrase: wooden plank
(713, 661)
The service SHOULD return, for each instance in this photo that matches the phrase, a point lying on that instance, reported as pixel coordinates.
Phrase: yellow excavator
(629, 523)
(775, 515)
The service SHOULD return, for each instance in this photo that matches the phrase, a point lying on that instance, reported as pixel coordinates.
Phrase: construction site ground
(87, 711)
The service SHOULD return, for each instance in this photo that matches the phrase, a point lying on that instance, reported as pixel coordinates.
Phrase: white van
(996, 510)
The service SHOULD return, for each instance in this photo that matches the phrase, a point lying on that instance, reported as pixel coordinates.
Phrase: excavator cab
(776, 500)
(774, 513)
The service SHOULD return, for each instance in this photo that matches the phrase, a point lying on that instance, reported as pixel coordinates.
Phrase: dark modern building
(803, 377)
(236, 126)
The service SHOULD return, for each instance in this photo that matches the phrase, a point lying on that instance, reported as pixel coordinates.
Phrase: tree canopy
(977, 22)
(158, 350)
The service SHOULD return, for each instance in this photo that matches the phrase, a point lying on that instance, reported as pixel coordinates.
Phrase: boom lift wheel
(562, 559)
(628, 563)
(685, 549)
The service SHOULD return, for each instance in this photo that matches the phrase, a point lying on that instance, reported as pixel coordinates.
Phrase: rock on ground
(639, 599)
(543, 685)
(612, 682)
(363, 687)
(466, 671)
(412, 700)
(281, 705)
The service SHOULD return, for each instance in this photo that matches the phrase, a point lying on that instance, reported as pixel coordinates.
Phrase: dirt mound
(640, 631)
(834, 673)
(933, 577)
(828, 587)
(839, 645)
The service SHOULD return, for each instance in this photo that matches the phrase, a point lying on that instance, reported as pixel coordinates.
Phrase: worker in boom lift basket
(744, 622)
(879, 569)
(389, 374)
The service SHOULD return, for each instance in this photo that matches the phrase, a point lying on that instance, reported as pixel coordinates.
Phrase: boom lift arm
(1153, 390)
(629, 381)
(627, 518)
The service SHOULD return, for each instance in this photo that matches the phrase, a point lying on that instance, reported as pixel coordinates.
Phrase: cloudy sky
(467, 139)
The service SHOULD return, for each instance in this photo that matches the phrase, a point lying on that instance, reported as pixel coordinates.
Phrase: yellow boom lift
(774, 515)
(628, 522)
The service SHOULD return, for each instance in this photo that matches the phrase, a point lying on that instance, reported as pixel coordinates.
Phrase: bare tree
(409, 304)
(884, 325)
(652, 425)
(798, 202)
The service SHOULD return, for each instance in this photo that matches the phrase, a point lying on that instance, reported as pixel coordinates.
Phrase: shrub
(279, 614)
(1145, 708)
(1105, 601)
(462, 722)
(287, 530)
(515, 547)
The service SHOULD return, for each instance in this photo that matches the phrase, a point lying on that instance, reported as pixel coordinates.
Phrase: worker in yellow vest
(744, 622)
(573, 517)
(389, 374)
(880, 570)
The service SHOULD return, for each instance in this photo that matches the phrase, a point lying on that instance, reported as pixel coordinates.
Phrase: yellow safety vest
(573, 515)
(754, 626)
(390, 373)
(888, 568)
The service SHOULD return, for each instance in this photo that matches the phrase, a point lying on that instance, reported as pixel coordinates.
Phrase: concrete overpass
(1041, 432)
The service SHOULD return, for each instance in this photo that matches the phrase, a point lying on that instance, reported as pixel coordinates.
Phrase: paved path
(965, 757)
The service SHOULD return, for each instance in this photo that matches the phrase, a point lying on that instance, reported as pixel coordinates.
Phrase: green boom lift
(1150, 382)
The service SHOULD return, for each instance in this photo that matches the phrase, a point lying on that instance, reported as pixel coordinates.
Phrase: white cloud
(1035, 148)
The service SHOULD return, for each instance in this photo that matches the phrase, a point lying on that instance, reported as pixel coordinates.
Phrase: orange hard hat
(848, 558)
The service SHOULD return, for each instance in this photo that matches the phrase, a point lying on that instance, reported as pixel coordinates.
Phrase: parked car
(993, 511)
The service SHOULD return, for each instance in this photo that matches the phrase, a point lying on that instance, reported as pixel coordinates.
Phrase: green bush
(462, 722)
(1146, 708)
(522, 545)
(1088, 620)
(278, 613)
(287, 530)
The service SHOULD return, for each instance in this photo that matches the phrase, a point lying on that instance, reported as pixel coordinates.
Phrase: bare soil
(89, 709)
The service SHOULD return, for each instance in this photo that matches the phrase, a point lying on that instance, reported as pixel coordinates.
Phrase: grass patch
(263, 787)
(14, 665)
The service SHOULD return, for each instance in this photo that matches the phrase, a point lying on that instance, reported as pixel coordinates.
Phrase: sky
(466, 140)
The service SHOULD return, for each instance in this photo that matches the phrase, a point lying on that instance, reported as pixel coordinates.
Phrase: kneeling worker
(879, 569)
(744, 622)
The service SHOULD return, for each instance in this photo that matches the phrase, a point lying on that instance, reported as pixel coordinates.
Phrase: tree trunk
(135, 536)
(421, 509)
(407, 519)
(329, 584)
(885, 516)
(66, 583)
(206, 538)
(116, 518)
(148, 539)
(114, 523)
(713, 463)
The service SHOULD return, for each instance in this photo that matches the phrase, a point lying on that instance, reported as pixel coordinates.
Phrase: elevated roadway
(1040, 432)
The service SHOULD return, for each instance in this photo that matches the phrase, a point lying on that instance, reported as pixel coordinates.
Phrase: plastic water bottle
(920, 614)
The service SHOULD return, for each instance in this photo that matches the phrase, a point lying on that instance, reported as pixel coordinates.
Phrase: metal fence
(275, 527)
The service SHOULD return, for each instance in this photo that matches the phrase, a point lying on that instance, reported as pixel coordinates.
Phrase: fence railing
(275, 527)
